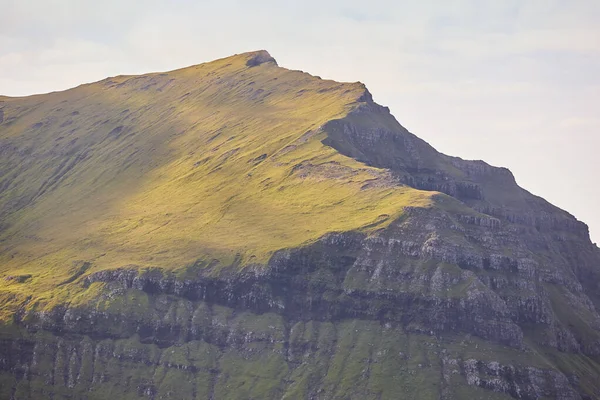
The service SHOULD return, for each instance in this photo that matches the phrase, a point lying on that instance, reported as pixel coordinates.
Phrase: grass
(573, 317)
(216, 161)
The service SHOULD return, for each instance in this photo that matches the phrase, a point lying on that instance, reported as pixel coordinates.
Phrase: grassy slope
(216, 161)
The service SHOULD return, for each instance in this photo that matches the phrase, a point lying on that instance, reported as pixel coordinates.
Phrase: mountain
(237, 230)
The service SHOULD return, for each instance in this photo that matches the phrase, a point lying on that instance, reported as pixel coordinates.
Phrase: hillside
(239, 230)
(219, 161)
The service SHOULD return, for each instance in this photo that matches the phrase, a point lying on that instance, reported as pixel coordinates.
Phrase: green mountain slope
(237, 230)
(221, 161)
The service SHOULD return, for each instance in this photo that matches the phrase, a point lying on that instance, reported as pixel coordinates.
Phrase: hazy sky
(515, 83)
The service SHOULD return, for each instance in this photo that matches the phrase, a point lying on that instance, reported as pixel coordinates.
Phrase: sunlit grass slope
(219, 161)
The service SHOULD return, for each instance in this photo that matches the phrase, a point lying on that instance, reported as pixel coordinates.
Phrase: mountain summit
(237, 230)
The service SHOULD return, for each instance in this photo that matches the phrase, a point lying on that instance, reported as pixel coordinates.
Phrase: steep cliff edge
(239, 230)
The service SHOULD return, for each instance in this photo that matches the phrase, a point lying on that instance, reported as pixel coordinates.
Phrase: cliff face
(393, 271)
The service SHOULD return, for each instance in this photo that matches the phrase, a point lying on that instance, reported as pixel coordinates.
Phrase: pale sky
(515, 83)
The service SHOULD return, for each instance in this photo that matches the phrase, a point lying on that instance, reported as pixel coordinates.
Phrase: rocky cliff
(238, 230)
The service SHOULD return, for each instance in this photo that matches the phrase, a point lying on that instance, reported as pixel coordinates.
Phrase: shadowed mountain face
(236, 230)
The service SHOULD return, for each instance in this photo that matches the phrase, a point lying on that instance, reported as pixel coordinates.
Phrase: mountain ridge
(265, 57)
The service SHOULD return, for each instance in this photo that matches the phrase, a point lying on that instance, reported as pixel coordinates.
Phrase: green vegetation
(218, 161)
(345, 360)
